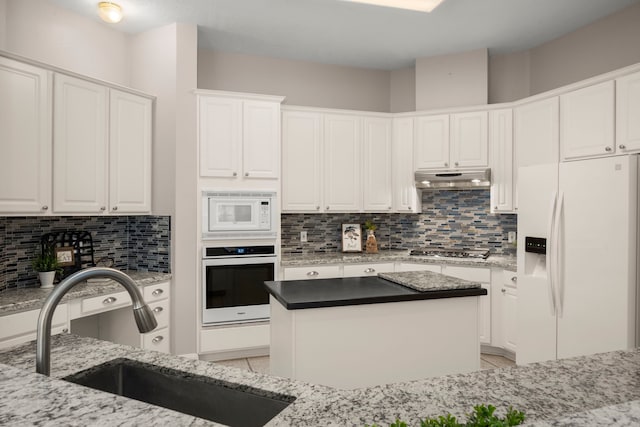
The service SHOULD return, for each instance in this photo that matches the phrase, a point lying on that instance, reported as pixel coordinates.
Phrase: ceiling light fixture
(109, 12)
(419, 5)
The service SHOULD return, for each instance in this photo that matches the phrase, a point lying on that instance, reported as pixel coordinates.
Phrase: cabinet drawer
(26, 323)
(474, 274)
(105, 302)
(510, 278)
(156, 292)
(161, 311)
(357, 270)
(312, 272)
(157, 340)
(406, 266)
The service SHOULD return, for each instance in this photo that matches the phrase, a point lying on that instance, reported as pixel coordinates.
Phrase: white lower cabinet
(21, 327)
(407, 266)
(311, 272)
(359, 270)
(509, 294)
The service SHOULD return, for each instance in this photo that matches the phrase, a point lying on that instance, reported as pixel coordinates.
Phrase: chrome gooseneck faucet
(145, 319)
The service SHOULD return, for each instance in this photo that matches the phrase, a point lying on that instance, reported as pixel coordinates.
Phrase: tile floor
(261, 364)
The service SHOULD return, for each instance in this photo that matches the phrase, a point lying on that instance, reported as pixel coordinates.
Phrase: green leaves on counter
(482, 416)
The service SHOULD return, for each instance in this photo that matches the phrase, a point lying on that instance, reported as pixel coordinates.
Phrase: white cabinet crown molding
(242, 95)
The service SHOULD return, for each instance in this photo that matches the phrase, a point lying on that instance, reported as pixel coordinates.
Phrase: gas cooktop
(451, 253)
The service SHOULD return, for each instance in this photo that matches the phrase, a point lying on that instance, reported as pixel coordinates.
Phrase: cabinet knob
(456, 163)
(369, 270)
(312, 273)
(65, 330)
(109, 300)
(327, 207)
(504, 291)
(235, 174)
(157, 339)
(158, 310)
(389, 207)
(495, 208)
(608, 149)
(410, 208)
(317, 208)
(246, 174)
(622, 146)
(446, 164)
(514, 279)
(45, 207)
(102, 208)
(157, 292)
(115, 208)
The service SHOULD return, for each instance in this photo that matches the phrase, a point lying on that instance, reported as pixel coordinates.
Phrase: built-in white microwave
(238, 214)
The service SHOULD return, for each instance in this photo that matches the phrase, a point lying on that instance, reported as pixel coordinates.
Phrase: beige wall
(3, 23)
(509, 77)
(303, 83)
(38, 30)
(402, 91)
(452, 80)
(608, 44)
(163, 62)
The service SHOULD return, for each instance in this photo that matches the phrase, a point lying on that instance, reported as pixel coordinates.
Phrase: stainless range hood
(454, 180)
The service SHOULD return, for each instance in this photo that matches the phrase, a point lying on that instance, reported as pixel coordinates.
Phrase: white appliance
(577, 246)
(238, 215)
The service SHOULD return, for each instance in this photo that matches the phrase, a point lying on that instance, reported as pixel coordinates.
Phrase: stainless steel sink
(204, 397)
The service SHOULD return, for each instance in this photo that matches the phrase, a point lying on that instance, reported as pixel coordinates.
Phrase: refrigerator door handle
(550, 256)
(558, 269)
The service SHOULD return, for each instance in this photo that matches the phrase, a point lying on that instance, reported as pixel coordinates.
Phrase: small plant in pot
(47, 265)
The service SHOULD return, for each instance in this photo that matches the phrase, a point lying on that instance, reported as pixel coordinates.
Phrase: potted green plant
(47, 265)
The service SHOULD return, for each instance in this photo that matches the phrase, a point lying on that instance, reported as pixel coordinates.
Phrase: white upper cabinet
(301, 161)
(469, 140)
(501, 140)
(80, 154)
(432, 142)
(239, 137)
(342, 162)
(535, 136)
(405, 196)
(377, 164)
(130, 152)
(587, 121)
(25, 138)
(627, 113)
(451, 141)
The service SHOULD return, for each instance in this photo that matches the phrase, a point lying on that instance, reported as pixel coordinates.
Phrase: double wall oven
(238, 256)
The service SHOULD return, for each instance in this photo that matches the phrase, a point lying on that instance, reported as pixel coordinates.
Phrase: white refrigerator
(580, 296)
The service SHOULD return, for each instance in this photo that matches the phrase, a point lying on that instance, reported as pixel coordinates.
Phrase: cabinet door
(129, 153)
(432, 142)
(586, 122)
(361, 270)
(469, 140)
(301, 155)
(377, 164)
(312, 272)
(260, 139)
(342, 144)
(627, 113)
(535, 136)
(484, 316)
(219, 136)
(25, 136)
(501, 137)
(510, 320)
(80, 154)
(405, 196)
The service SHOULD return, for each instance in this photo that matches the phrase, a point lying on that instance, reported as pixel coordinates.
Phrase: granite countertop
(428, 281)
(292, 260)
(23, 299)
(579, 391)
(344, 291)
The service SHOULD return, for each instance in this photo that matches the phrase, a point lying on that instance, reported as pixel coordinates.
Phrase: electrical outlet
(303, 236)
(511, 237)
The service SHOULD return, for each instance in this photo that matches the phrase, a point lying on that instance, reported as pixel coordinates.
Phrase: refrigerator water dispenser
(535, 257)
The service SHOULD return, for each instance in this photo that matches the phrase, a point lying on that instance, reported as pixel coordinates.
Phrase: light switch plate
(303, 236)
(511, 237)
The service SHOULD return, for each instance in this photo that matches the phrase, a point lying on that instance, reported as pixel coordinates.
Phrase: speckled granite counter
(578, 391)
(292, 260)
(428, 281)
(15, 300)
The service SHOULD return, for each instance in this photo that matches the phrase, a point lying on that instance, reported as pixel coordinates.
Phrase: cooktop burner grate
(451, 253)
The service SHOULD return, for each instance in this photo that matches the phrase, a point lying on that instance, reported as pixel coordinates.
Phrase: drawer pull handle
(369, 270)
(158, 310)
(157, 292)
(503, 290)
(110, 300)
(622, 146)
(157, 339)
(312, 273)
(514, 279)
(65, 330)
(45, 207)
(608, 149)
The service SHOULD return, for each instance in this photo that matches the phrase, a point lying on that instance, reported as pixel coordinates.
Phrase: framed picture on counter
(351, 238)
(65, 255)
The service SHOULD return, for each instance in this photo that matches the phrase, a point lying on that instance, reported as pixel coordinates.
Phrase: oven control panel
(238, 251)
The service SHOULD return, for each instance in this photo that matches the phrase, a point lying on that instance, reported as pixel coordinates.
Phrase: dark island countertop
(301, 294)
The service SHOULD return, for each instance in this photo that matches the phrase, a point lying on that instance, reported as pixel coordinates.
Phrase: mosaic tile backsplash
(449, 218)
(134, 242)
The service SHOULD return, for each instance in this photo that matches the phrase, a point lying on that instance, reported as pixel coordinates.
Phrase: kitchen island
(603, 389)
(365, 331)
